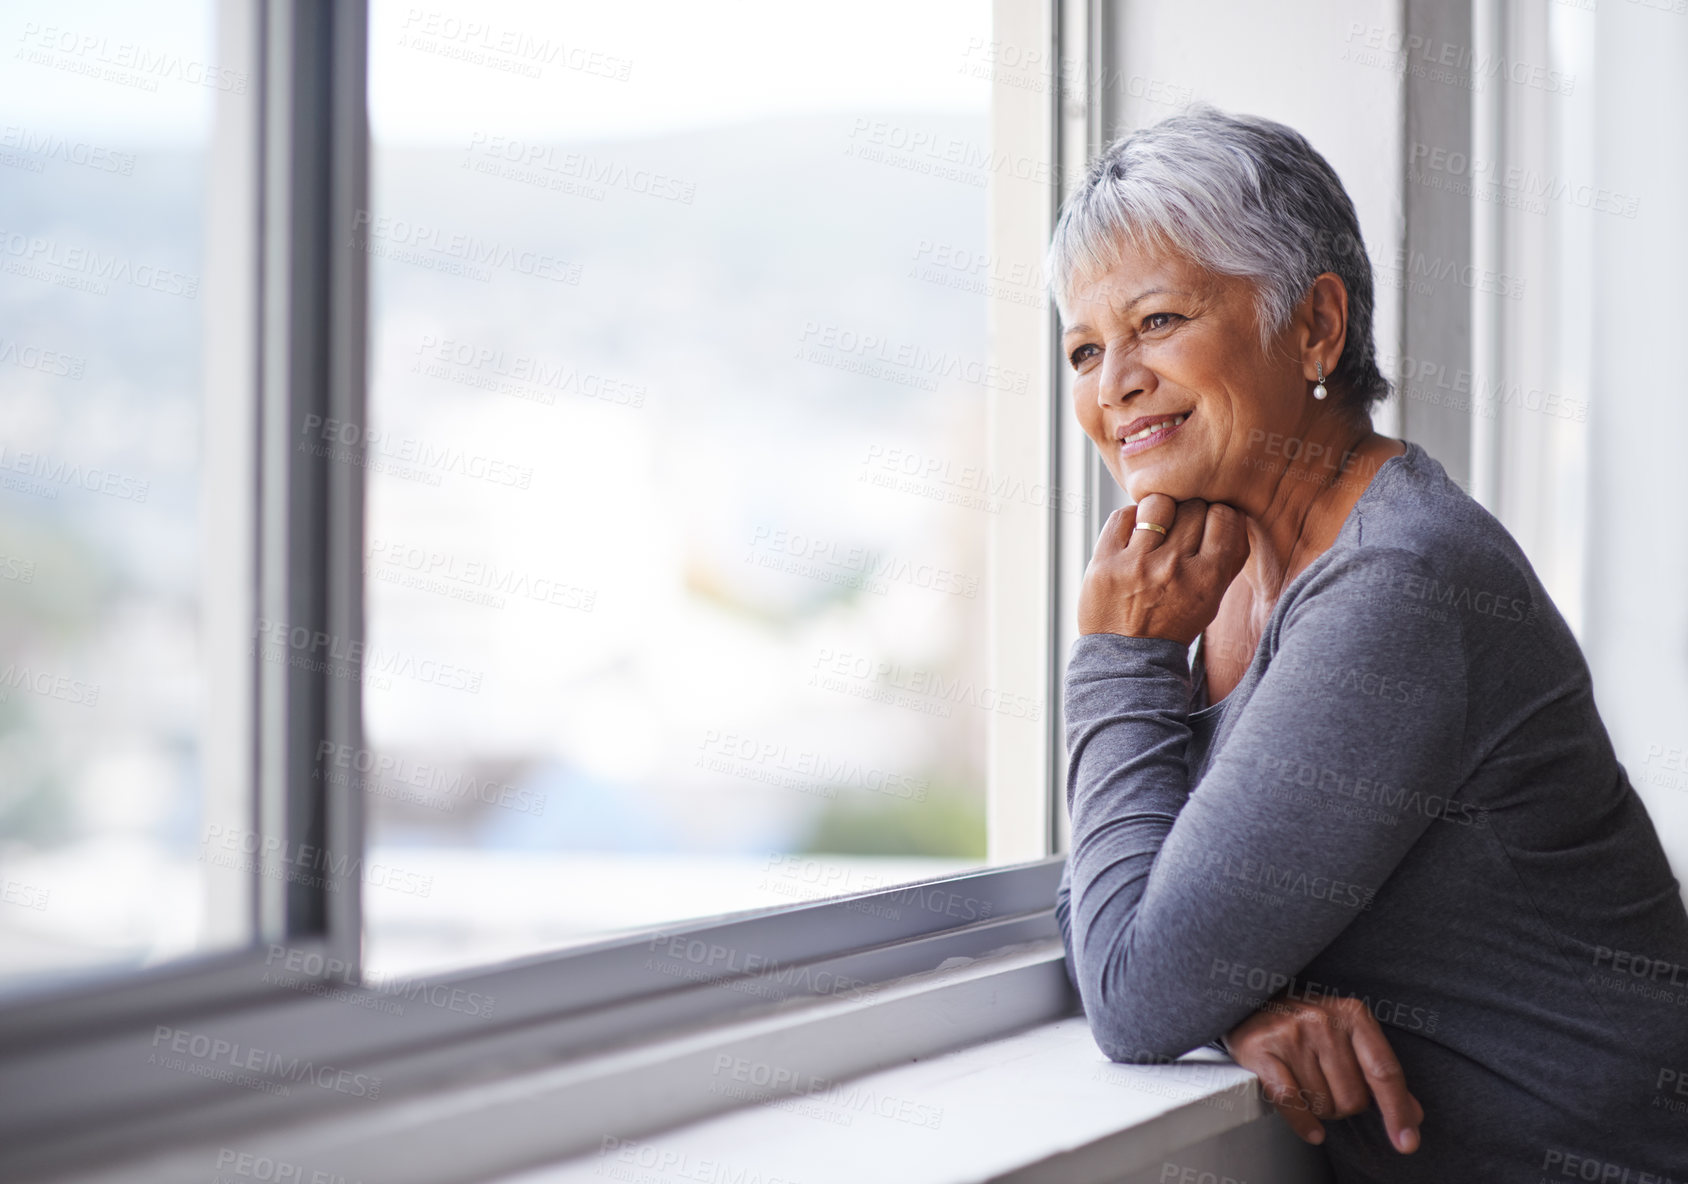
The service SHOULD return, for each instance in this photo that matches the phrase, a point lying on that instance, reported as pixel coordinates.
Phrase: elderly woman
(1372, 833)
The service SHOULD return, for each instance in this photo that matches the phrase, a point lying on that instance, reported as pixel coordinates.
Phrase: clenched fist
(1141, 583)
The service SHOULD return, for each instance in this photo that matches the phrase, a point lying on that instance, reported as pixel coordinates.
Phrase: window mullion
(310, 625)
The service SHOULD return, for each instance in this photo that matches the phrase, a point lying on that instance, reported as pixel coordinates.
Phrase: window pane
(679, 493)
(113, 597)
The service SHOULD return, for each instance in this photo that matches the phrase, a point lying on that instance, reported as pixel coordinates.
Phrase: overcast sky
(685, 64)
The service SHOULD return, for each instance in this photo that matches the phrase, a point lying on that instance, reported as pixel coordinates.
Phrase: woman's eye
(1078, 355)
(1159, 320)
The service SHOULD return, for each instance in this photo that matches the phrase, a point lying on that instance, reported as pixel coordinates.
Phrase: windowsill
(973, 1069)
(1043, 1104)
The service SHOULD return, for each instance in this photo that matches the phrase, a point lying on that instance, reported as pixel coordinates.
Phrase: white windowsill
(1043, 1104)
(914, 1082)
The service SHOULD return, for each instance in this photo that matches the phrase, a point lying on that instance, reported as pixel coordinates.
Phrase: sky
(439, 73)
(680, 63)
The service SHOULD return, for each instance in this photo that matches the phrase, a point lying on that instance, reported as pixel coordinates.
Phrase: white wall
(1305, 63)
(1635, 630)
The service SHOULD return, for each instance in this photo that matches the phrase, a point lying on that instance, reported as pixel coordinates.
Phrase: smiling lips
(1146, 432)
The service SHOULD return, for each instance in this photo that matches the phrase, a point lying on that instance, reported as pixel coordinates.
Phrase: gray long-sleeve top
(1409, 798)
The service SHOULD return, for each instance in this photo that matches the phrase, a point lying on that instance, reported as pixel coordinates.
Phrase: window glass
(109, 593)
(679, 496)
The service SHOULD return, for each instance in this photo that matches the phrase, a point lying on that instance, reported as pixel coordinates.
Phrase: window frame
(76, 1064)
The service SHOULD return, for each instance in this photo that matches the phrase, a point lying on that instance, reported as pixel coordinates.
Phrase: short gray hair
(1241, 196)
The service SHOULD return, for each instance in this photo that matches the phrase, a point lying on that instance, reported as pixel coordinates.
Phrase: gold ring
(1150, 526)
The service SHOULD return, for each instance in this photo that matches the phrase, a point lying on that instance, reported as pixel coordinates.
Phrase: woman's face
(1157, 339)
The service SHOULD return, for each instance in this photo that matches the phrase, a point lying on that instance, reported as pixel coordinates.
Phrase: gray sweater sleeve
(1175, 888)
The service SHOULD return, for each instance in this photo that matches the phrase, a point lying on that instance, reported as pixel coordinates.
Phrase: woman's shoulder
(1413, 504)
(1416, 534)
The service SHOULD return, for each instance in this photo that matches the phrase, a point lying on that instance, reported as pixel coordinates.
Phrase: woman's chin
(1140, 484)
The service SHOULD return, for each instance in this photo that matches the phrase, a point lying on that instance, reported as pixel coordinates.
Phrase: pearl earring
(1319, 391)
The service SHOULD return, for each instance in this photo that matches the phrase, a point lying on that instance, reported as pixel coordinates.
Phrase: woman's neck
(1305, 505)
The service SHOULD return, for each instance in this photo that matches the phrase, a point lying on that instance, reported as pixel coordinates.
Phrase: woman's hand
(1326, 1060)
(1142, 584)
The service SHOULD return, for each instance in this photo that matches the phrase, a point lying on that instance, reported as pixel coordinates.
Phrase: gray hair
(1241, 196)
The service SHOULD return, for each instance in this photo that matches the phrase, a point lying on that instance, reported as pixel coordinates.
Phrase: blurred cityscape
(700, 607)
(678, 507)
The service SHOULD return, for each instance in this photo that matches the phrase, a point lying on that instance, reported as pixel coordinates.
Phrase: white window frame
(622, 1030)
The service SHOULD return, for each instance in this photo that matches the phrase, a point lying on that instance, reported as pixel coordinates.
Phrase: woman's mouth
(1146, 433)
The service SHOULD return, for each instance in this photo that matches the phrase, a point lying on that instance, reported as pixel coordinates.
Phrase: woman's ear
(1326, 322)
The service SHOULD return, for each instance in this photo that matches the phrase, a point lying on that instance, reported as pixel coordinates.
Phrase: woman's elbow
(1129, 1030)
(1136, 1044)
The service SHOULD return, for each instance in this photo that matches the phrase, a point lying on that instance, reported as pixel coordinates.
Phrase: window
(423, 687)
(680, 489)
(124, 493)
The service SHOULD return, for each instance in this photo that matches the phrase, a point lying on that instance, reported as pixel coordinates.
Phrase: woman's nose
(1123, 378)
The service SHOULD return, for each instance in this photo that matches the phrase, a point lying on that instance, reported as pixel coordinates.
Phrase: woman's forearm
(1174, 887)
